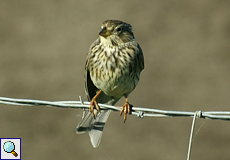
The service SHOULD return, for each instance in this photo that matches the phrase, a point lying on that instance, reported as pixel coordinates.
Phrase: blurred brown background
(186, 44)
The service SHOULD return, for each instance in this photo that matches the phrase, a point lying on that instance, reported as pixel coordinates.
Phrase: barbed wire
(138, 111)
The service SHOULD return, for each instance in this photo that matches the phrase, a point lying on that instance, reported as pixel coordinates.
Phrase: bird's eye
(118, 29)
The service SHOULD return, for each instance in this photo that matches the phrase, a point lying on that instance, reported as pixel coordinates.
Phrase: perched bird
(112, 70)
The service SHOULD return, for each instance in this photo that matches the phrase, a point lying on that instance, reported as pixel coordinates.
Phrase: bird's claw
(94, 104)
(125, 109)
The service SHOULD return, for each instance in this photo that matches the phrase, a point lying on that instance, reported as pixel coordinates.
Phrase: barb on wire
(137, 111)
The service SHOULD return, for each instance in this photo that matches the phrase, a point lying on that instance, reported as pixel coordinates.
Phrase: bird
(112, 71)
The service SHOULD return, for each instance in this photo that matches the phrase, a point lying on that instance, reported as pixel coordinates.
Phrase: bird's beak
(104, 32)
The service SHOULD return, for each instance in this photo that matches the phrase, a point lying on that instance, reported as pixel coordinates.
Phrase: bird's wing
(140, 58)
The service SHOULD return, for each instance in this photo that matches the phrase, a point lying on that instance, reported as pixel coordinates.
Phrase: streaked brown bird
(112, 70)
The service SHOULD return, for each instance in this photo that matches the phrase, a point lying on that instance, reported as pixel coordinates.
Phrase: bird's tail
(95, 126)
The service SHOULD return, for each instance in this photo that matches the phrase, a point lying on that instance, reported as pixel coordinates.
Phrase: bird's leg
(94, 103)
(125, 108)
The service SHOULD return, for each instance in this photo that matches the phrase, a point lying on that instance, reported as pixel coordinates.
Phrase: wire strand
(137, 111)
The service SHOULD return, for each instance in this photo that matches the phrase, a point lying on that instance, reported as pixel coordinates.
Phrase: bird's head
(117, 31)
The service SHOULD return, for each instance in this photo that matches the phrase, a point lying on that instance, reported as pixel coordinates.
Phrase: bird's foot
(126, 109)
(94, 104)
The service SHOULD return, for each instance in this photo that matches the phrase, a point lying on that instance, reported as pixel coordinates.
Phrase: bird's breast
(113, 71)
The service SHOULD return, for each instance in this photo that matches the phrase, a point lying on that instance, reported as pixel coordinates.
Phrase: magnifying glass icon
(9, 147)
